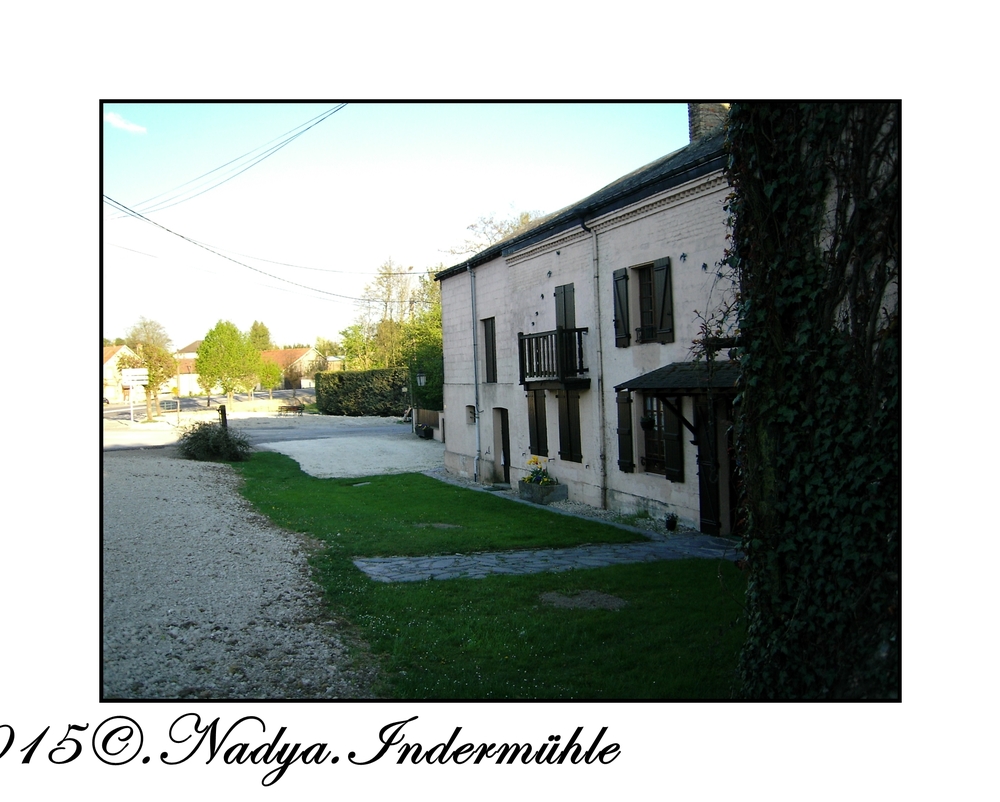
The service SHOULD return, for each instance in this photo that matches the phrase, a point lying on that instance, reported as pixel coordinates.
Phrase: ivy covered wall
(816, 252)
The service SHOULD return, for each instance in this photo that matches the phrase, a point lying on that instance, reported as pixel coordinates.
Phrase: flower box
(542, 494)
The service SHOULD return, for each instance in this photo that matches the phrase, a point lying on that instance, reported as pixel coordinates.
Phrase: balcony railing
(551, 355)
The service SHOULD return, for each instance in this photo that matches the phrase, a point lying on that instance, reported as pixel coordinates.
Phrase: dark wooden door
(706, 425)
(504, 442)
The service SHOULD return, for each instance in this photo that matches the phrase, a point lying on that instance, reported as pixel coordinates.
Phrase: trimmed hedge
(363, 392)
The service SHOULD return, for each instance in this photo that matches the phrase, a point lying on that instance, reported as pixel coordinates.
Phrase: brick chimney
(703, 118)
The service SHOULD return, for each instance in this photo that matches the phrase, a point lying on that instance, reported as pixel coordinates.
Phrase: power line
(131, 212)
(165, 204)
(142, 253)
(410, 272)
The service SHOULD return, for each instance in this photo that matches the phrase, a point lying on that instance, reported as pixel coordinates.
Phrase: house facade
(299, 366)
(111, 372)
(572, 341)
(186, 379)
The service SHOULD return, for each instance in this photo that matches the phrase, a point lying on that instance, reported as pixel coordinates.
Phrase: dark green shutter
(673, 443)
(569, 426)
(622, 336)
(537, 435)
(565, 306)
(490, 344)
(626, 453)
(663, 301)
(564, 425)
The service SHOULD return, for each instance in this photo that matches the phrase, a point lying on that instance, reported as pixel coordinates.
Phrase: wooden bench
(291, 409)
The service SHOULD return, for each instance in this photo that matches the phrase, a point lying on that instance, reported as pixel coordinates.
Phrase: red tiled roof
(285, 357)
(111, 351)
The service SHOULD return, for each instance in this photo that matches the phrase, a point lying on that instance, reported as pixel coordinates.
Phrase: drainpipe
(602, 457)
(475, 372)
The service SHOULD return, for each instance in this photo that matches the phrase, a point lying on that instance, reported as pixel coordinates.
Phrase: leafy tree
(399, 325)
(147, 332)
(388, 300)
(490, 230)
(390, 292)
(327, 347)
(270, 376)
(151, 345)
(260, 337)
(358, 345)
(424, 343)
(228, 359)
(377, 339)
(161, 366)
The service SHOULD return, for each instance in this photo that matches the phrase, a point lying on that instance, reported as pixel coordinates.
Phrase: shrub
(212, 441)
(369, 392)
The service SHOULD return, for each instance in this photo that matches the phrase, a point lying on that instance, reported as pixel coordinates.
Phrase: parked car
(106, 400)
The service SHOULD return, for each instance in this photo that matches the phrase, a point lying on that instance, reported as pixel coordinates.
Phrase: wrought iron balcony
(555, 356)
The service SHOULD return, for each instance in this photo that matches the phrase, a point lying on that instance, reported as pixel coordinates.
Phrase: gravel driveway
(203, 597)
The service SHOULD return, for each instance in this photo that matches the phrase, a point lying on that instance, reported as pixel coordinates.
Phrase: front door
(706, 425)
(501, 444)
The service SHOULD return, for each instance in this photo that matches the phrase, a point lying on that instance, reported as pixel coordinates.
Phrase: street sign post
(134, 377)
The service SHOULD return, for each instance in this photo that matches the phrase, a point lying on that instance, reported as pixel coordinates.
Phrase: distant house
(112, 376)
(189, 351)
(187, 376)
(299, 366)
(572, 341)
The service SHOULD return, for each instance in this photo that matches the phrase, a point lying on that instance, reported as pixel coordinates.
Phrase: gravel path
(203, 597)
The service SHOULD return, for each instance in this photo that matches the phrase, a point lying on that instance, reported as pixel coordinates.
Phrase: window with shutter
(622, 336)
(663, 299)
(490, 348)
(662, 438)
(673, 444)
(656, 303)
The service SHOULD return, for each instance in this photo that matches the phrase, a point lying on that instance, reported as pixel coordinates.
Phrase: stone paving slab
(533, 561)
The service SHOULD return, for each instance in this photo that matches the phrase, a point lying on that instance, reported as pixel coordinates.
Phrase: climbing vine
(815, 214)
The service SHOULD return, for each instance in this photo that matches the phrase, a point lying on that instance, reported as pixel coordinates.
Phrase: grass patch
(383, 516)
(676, 637)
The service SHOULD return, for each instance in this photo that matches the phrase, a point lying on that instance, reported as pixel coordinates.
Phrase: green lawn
(677, 637)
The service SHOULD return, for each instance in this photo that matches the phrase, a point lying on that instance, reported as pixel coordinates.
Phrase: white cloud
(120, 122)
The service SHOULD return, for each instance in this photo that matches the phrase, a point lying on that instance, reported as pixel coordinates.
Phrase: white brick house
(572, 340)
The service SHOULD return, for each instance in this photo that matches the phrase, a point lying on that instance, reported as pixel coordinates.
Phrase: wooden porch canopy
(687, 378)
(680, 378)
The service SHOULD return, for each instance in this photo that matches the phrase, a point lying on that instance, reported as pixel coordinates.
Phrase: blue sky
(370, 183)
